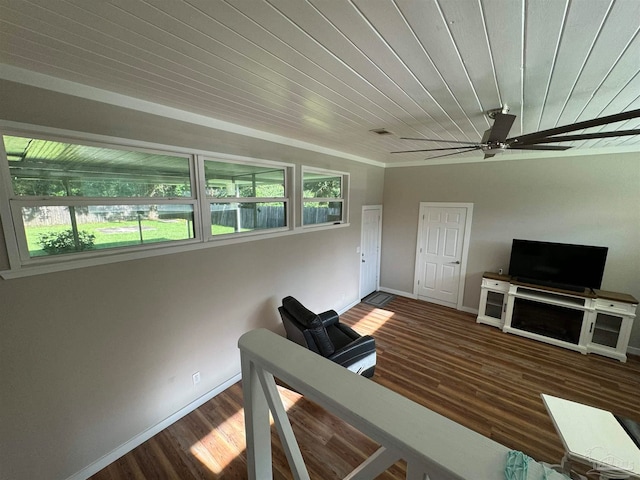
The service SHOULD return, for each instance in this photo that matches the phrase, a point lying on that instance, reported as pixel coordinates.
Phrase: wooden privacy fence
(267, 216)
(262, 216)
(47, 216)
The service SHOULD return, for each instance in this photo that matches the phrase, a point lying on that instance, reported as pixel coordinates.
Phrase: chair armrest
(329, 317)
(360, 347)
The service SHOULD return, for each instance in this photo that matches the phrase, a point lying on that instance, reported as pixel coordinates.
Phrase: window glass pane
(246, 216)
(237, 180)
(48, 168)
(321, 212)
(318, 185)
(55, 230)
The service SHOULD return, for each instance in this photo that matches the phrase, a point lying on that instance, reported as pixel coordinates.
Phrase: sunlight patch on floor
(219, 448)
(213, 450)
(373, 321)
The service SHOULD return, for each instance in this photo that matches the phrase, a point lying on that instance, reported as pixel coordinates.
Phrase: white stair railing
(433, 446)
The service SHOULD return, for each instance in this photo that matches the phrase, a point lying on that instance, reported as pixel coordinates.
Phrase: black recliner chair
(326, 336)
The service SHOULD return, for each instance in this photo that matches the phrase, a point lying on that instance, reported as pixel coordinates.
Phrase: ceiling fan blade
(582, 136)
(438, 149)
(538, 147)
(454, 153)
(531, 137)
(441, 141)
(501, 126)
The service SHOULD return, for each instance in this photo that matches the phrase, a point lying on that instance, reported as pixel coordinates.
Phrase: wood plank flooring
(474, 374)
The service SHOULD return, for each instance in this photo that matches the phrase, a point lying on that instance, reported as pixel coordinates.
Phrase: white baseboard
(633, 351)
(414, 296)
(348, 307)
(475, 311)
(398, 292)
(126, 447)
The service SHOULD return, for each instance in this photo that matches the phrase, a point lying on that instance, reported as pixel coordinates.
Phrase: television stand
(587, 321)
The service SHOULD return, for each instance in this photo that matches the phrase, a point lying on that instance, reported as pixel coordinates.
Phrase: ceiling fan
(495, 138)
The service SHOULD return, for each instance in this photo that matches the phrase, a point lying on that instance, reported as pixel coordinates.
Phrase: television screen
(558, 265)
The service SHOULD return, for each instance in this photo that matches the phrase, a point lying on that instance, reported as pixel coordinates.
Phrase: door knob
(457, 262)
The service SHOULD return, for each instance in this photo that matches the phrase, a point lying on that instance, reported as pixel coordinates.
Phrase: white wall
(593, 200)
(90, 358)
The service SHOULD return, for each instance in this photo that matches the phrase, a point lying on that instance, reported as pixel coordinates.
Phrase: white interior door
(441, 253)
(370, 249)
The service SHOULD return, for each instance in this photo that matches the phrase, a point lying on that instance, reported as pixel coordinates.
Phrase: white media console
(591, 321)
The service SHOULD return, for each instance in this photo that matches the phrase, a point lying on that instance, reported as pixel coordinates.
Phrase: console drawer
(495, 285)
(603, 304)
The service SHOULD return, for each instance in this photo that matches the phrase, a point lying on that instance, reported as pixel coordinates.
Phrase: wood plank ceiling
(327, 72)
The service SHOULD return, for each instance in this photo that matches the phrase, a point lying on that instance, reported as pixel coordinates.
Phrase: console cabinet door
(610, 329)
(493, 302)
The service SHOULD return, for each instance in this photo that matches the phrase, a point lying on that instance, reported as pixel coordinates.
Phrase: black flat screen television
(560, 265)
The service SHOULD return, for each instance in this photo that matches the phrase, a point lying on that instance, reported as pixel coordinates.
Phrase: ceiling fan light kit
(495, 138)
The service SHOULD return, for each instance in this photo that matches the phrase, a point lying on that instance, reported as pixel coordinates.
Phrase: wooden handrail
(433, 446)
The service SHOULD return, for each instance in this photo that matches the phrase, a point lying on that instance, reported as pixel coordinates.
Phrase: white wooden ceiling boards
(327, 72)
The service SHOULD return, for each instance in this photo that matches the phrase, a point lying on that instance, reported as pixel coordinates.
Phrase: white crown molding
(68, 87)
(510, 155)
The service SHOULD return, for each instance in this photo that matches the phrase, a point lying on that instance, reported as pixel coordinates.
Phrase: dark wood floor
(474, 374)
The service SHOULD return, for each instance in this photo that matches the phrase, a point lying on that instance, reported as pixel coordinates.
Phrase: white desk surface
(593, 436)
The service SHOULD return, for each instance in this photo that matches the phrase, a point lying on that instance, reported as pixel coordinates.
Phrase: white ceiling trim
(47, 82)
(512, 155)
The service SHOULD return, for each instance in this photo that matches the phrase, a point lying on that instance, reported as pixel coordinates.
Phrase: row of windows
(70, 200)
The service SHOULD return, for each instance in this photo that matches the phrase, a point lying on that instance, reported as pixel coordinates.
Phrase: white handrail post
(283, 426)
(257, 425)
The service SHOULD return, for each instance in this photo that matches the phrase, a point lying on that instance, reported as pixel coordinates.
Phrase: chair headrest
(311, 321)
(302, 314)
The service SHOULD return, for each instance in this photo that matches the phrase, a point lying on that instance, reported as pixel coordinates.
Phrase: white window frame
(16, 202)
(206, 201)
(21, 265)
(345, 184)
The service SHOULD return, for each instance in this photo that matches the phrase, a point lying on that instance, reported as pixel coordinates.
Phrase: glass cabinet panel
(494, 307)
(606, 330)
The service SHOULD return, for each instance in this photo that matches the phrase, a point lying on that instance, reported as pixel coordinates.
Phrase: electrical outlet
(196, 378)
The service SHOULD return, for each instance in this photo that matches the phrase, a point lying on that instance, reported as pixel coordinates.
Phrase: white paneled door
(439, 255)
(370, 249)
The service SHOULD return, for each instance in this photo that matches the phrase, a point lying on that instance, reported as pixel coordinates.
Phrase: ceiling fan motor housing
(494, 146)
